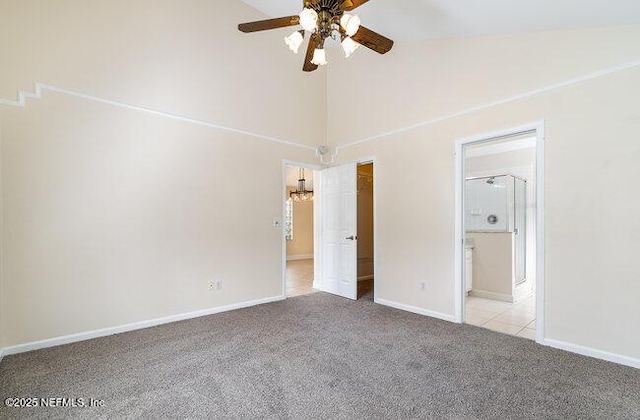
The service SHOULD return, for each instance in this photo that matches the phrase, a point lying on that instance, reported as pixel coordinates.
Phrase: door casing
(537, 129)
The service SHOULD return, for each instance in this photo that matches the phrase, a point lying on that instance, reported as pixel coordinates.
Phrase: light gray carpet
(321, 356)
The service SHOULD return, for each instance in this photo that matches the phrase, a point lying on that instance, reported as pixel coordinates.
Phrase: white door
(339, 234)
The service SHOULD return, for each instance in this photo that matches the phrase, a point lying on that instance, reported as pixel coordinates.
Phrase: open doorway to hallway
(365, 231)
(500, 234)
(299, 231)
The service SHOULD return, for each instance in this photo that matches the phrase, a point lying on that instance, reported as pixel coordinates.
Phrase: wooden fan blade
(263, 25)
(349, 5)
(373, 40)
(308, 65)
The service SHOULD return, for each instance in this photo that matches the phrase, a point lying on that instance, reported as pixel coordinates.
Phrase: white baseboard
(1, 354)
(491, 295)
(73, 338)
(299, 257)
(588, 351)
(363, 278)
(416, 310)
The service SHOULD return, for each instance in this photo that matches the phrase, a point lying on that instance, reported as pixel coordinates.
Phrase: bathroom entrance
(498, 228)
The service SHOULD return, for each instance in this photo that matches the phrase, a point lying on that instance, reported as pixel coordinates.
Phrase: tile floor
(300, 278)
(505, 317)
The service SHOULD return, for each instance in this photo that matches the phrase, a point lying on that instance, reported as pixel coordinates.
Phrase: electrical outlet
(422, 286)
(219, 285)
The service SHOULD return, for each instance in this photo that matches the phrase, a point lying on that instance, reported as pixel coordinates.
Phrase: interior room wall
(592, 160)
(2, 326)
(365, 221)
(301, 247)
(185, 58)
(109, 206)
(492, 265)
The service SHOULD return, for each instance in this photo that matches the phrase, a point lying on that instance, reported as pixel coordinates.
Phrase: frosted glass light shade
(350, 24)
(319, 57)
(309, 19)
(349, 46)
(294, 41)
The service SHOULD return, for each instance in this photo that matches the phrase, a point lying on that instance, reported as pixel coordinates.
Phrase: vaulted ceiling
(406, 20)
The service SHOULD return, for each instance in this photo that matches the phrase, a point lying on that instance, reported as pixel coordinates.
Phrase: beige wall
(185, 57)
(2, 301)
(492, 264)
(302, 243)
(113, 216)
(592, 162)
(421, 81)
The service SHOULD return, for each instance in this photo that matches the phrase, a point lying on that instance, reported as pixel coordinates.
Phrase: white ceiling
(405, 20)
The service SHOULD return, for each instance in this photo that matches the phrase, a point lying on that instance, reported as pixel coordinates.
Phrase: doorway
(298, 230)
(337, 256)
(499, 232)
(365, 215)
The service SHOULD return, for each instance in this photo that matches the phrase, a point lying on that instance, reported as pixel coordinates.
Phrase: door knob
(351, 238)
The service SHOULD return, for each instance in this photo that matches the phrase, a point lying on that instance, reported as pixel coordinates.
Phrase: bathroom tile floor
(505, 317)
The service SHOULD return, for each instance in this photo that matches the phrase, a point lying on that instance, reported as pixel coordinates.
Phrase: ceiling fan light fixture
(324, 20)
(350, 24)
(349, 46)
(309, 19)
(319, 57)
(294, 41)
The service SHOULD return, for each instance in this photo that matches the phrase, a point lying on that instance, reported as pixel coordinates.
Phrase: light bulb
(350, 24)
(294, 41)
(349, 46)
(319, 57)
(309, 19)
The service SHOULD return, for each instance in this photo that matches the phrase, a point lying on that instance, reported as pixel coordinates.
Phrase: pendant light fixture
(301, 194)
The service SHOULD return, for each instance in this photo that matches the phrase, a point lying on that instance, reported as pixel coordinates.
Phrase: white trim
(540, 234)
(549, 88)
(1, 355)
(588, 351)
(39, 87)
(300, 257)
(494, 149)
(416, 310)
(73, 338)
(491, 295)
(460, 168)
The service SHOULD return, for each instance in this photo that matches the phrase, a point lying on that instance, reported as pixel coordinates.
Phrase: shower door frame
(535, 129)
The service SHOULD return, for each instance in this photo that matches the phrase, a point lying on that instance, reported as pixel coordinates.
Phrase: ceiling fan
(324, 19)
